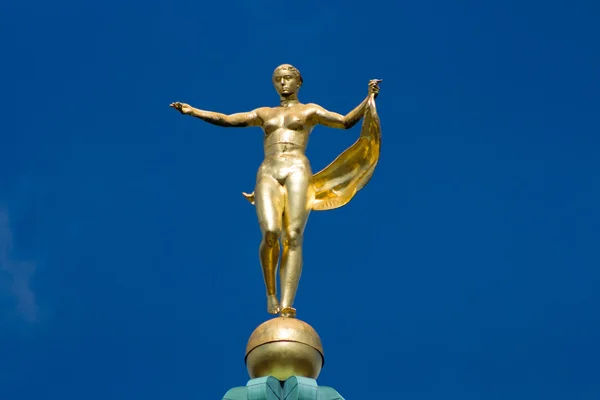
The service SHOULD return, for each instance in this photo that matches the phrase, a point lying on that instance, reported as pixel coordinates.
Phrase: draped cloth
(337, 183)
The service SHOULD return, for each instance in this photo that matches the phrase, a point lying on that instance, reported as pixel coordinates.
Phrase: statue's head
(287, 80)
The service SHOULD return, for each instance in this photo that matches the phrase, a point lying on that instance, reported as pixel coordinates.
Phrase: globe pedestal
(284, 347)
(284, 356)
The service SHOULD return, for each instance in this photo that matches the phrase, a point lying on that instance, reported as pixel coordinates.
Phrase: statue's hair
(290, 68)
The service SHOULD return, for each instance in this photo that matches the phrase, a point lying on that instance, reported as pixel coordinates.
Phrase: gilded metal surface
(283, 360)
(336, 184)
(286, 189)
(284, 329)
(283, 347)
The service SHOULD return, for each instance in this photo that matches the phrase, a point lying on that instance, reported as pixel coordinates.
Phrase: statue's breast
(287, 121)
(272, 124)
(294, 122)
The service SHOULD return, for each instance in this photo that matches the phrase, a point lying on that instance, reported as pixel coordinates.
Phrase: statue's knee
(271, 237)
(293, 239)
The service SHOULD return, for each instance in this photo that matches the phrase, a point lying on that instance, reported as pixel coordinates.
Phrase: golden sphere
(284, 347)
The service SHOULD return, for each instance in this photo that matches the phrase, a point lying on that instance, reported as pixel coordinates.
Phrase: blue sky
(466, 269)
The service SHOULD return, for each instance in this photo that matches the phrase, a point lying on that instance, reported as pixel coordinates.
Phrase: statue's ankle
(288, 312)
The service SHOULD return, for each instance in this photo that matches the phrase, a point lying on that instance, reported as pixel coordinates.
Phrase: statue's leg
(297, 208)
(269, 200)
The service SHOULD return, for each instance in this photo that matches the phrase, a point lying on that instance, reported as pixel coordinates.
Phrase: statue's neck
(288, 102)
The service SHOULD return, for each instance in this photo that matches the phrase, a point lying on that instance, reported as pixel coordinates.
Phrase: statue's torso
(286, 133)
(287, 129)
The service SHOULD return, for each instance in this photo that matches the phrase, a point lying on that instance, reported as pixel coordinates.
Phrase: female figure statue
(286, 190)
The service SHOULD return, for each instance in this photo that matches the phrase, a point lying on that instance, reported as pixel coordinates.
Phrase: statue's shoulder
(263, 112)
(313, 107)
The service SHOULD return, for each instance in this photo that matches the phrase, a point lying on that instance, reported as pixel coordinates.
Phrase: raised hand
(374, 86)
(182, 107)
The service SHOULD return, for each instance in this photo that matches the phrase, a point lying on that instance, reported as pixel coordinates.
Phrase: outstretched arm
(238, 120)
(335, 120)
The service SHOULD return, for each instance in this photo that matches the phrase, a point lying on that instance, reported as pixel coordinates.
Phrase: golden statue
(286, 189)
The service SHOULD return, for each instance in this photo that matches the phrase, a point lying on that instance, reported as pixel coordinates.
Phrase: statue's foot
(273, 304)
(288, 312)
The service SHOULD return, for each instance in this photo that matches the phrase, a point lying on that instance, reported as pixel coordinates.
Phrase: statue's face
(286, 83)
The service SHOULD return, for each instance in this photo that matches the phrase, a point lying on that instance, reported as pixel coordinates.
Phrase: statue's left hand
(374, 86)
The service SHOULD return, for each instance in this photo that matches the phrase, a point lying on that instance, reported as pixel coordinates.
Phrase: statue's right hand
(182, 107)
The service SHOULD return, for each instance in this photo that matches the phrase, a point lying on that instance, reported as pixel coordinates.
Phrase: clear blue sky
(468, 268)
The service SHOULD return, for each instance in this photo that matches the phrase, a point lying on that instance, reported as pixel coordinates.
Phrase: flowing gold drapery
(337, 183)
